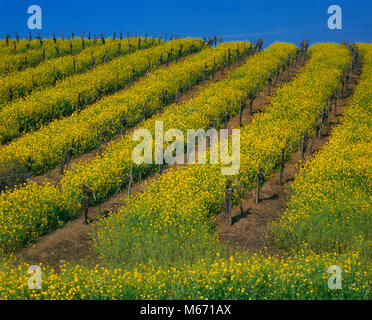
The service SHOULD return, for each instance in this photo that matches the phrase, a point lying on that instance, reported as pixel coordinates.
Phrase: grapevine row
(301, 276)
(17, 60)
(109, 172)
(175, 221)
(330, 208)
(75, 92)
(23, 83)
(29, 219)
(47, 146)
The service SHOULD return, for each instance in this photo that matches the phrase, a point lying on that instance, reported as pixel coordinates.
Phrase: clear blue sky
(273, 20)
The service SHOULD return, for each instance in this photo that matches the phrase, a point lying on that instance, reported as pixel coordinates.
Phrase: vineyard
(101, 226)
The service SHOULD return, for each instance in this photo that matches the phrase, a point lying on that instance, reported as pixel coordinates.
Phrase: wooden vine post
(321, 122)
(73, 65)
(297, 58)
(100, 90)
(228, 202)
(242, 106)
(130, 180)
(80, 103)
(180, 52)
(104, 138)
(118, 50)
(343, 81)
(277, 75)
(288, 67)
(281, 168)
(117, 81)
(303, 51)
(148, 67)
(132, 76)
(87, 192)
(228, 58)
(93, 62)
(346, 82)
(237, 53)
(252, 96)
(104, 56)
(240, 195)
(164, 98)
(269, 81)
(258, 46)
(10, 94)
(223, 65)
(67, 157)
(303, 147)
(260, 178)
(316, 132)
(179, 91)
(205, 72)
(335, 100)
(329, 110)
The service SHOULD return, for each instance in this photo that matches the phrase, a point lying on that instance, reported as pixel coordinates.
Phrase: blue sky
(233, 20)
